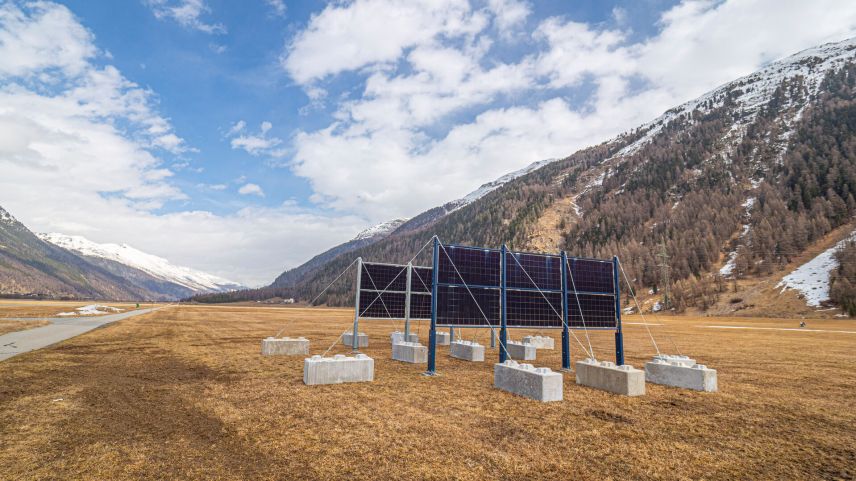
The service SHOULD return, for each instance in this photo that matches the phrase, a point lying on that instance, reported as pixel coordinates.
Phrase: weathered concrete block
(540, 342)
(362, 339)
(468, 351)
(697, 376)
(337, 369)
(443, 339)
(682, 360)
(410, 352)
(288, 346)
(398, 336)
(540, 384)
(605, 375)
(519, 351)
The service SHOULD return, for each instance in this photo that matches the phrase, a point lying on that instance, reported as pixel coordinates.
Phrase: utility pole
(665, 279)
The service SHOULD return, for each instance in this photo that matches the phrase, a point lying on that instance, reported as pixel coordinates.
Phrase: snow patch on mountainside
(812, 278)
(6, 217)
(754, 91)
(493, 185)
(155, 266)
(382, 229)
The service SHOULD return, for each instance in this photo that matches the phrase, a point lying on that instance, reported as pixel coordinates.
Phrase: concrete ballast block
(519, 351)
(697, 376)
(540, 384)
(287, 346)
(412, 352)
(362, 339)
(398, 336)
(468, 351)
(605, 375)
(337, 369)
(443, 339)
(540, 342)
(682, 360)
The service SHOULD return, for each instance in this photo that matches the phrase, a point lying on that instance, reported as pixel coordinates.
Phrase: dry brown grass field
(183, 393)
(7, 326)
(27, 308)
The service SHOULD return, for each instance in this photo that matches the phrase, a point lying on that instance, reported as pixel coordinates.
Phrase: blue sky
(242, 138)
(207, 81)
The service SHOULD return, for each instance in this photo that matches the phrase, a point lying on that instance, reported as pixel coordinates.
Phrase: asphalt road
(60, 329)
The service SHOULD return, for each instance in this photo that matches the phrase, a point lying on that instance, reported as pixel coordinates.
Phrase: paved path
(60, 329)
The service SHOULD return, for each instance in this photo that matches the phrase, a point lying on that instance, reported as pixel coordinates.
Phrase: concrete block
(443, 339)
(697, 376)
(540, 384)
(540, 342)
(519, 351)
(468, 351)
(288, 346)
(398, 336)
(682, 360)
(412, 352)
(605, 375)
(362, 339)
(337, 369)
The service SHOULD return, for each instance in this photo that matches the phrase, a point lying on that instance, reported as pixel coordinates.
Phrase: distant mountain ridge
(59, 266)
(191, 280)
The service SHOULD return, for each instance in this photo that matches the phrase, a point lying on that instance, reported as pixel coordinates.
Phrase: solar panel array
(533, 284)
(469, 290)
(592, 279)
(468, 286)
(383, 291)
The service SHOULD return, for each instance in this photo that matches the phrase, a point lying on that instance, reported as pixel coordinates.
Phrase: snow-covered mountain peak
(381, 229)
(752, 92)
(495, 184)
(6, 217)
(155, 266)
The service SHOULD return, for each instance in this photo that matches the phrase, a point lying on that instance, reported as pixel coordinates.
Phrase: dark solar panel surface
(591, 275)
(382, 277)
(597, 311)
(544, 271)
(456, 307)
(477, 266)
(390, 305)
(421, 279)
(420, 306)
(531, 309)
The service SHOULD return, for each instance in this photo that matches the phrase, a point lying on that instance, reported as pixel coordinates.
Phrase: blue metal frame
(503, 330)
(619, 335)
(432, 332)
(566, 338)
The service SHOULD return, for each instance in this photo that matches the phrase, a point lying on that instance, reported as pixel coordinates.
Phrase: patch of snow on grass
(812, 278)
(90, 310)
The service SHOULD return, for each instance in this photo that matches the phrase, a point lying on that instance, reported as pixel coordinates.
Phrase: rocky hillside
(733, 185)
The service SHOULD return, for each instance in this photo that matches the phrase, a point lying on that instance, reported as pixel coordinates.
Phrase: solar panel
(457, 308)
(390, 305)
(474, 266)
(421, 279)
(532, 309)
(591, 275)
(383, 291)
(420, 306)
(383, 277)
(598, 311)
(529, 271)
